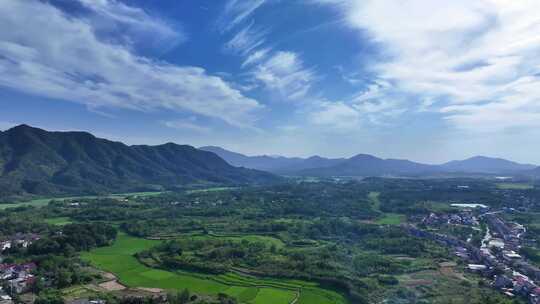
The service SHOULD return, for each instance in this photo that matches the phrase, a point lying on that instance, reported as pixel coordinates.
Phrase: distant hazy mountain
(277, 164)
(368, 165)
(35, 161)
(482, 164)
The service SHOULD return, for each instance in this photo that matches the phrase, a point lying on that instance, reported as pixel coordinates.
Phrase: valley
(297, 242)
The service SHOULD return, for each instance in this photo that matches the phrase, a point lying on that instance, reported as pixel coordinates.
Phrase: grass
(213, 189)
(515, 186)
(386, 218)
(251, 238)
(59, 221)
(119, 260)
(391, 219)
(272, 295)
(373, 197)
(40, 202)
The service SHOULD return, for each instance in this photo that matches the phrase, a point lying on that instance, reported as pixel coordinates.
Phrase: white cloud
(236, 11)
(46, 53)
(189, 124)
(479, 57)
(285, 73)
(378, 103)
(256, 57)
(131, 26)
(336, 115)
(246, 40)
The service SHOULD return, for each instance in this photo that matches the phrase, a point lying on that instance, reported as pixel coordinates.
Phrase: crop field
(119, 260)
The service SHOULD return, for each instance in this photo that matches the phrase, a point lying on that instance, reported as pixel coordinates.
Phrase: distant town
(497, 257)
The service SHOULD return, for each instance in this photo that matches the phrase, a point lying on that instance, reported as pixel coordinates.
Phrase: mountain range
(35, 161)
(38, 162)
(277, 164)
(368, 165)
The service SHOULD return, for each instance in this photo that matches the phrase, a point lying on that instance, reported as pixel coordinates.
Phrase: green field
(213, 189)
(119, 260)
(515, 186)
(59, 221)
(373, 197)
(44, 201)
(251, 238)
(386, 218)
(391, 219)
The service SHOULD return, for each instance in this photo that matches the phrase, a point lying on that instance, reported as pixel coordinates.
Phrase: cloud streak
(189, 124)
(246, 40)
(237, 11)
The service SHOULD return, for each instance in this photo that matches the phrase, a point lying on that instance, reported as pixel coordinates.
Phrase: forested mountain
(35, 161)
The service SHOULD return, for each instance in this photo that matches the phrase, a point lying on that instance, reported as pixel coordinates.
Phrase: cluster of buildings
(497, 259)
(462, 218)
(4, 297)
(18, 240)
(518, 284)
(17, 278)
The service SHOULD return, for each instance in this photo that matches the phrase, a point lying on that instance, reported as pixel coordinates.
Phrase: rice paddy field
(119, 260)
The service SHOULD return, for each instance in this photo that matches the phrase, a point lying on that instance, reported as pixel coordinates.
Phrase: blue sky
(411, 79)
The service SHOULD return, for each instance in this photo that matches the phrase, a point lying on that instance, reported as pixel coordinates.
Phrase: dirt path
(296, 297)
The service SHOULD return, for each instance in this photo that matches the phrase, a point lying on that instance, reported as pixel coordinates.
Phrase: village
(16, 278)
(497, 258)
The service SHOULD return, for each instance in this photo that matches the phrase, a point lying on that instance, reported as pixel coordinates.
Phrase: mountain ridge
(275, 164)
(369, 165)
(34, 161)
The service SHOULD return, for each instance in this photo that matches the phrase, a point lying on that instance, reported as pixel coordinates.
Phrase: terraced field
(119, 260)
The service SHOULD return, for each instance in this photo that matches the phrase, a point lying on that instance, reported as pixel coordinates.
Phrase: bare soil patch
(112, 286)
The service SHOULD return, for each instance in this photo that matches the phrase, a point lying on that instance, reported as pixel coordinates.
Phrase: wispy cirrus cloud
(473, 61)
(237, 11)
(78, 66)
(246, 40)
(285, 73)
(256, 57)
(117, 22)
